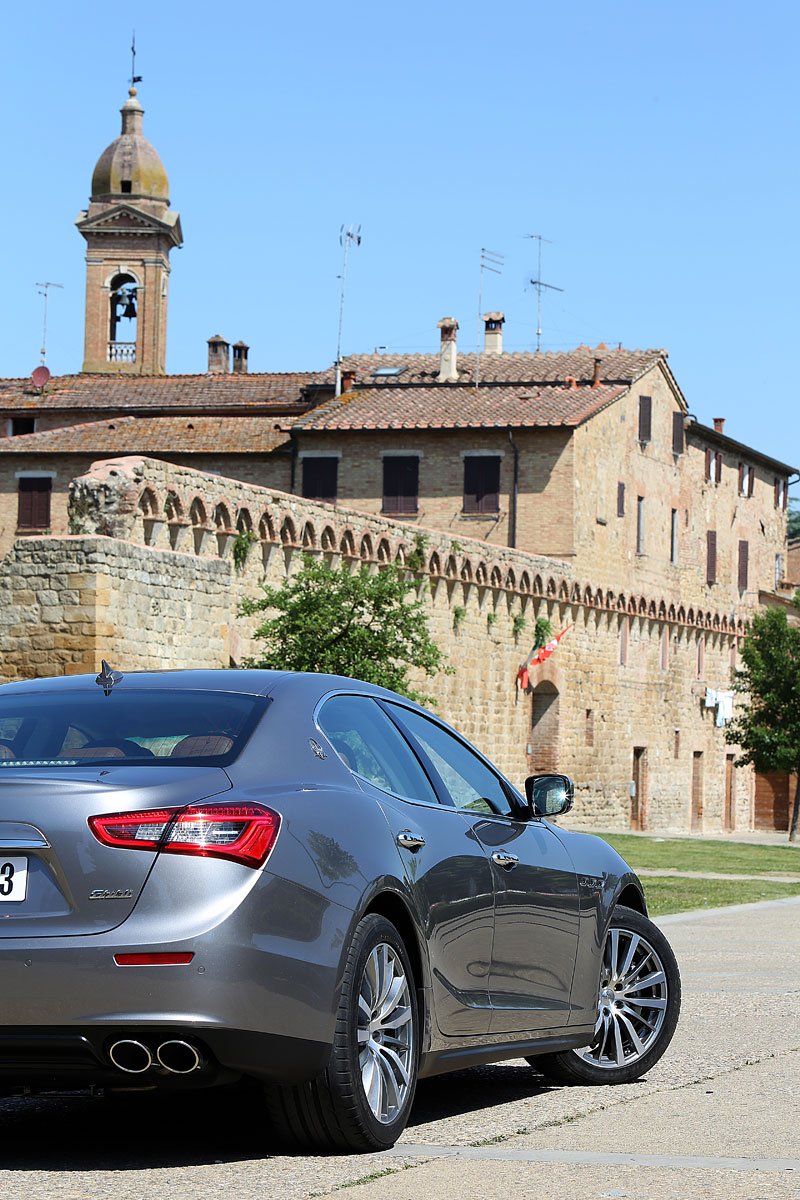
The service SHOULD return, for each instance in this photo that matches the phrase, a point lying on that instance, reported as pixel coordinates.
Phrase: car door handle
(504, 859)
(409, 840)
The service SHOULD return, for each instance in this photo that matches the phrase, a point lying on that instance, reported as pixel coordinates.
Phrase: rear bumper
(53, 1058)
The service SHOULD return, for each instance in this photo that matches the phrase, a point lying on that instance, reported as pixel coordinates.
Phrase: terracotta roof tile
(618, 366)
(190, 392)
(456, 406)
(155, 435)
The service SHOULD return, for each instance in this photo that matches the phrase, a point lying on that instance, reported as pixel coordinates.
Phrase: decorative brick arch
(288, 532)
(435, 565)
(545, 726)
(328, 539)
(511, 581)
(365, 549)
(309, 538)
(347, 544)
(244, 522)
(384, 550)
(266, 528)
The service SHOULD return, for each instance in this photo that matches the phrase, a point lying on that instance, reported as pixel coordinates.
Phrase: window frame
(400, 510)
(328, 459)
(519, 806)
(437, 802)
(475, 498)
(22, 480)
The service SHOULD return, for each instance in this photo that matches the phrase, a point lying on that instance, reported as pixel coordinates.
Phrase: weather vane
(134, 77)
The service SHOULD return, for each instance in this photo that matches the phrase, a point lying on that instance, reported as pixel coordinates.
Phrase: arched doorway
(543, 750)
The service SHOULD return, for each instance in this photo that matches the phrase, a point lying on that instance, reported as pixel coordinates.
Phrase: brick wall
(151, 582)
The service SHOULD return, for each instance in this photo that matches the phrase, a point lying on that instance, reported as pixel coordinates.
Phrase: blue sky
(655, 146)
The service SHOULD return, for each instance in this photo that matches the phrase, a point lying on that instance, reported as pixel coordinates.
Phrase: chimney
(240, 350)
(571, 382)
(719, 424)
(493, 335)
(598, 362)
(348, 379)
(218, 355)
(448, 372)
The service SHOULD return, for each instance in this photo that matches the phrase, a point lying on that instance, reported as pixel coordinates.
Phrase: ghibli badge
(111, 894)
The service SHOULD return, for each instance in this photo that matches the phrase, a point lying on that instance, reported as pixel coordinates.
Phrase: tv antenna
(490, 261)
(134, 77)
(349, 236)
(539, 284)
(44, 288)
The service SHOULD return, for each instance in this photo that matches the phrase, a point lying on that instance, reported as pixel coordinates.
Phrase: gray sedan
(305, 884)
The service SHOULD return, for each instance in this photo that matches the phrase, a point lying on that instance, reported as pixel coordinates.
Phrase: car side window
(470, 783)
(369, 744)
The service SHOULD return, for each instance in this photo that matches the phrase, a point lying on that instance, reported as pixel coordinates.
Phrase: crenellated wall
(160, 556)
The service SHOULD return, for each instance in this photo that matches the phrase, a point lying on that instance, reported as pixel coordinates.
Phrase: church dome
(130, 166)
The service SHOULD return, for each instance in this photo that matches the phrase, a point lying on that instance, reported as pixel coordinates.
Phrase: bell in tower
(129, 229)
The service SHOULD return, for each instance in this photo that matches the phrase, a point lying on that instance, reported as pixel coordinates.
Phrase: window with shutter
(718, 466)
(481, 483)
(640, 524)
(645, 418)
(777, 491)
(401, 484)
(742, 483)
(34, 503)
(711, 556)
(620, 499)
(673, 536)
(677, 433)
(744, 556)
(751, 481)
(709, 463)
(320, 477)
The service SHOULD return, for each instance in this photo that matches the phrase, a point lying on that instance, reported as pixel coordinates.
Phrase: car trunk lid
(56, 878)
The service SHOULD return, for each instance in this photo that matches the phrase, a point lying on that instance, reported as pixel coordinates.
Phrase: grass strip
(705, 854)
(681, 895)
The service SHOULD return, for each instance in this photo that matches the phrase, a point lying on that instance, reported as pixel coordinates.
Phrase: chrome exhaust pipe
(130, 1056)
(179, 1057)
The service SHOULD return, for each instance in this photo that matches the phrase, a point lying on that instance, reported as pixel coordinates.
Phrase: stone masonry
(148, 579)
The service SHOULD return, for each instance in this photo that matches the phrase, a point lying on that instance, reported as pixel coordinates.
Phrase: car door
(536, 889)
(446, 870)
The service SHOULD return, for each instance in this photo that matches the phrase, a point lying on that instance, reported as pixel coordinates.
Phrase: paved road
(717, 1117)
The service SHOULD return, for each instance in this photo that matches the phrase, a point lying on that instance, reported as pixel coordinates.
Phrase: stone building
(573, 486)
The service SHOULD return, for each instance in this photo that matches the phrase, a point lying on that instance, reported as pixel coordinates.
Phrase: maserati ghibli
(305, 885)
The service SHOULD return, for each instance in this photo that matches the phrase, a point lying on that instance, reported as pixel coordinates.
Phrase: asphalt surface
(719, 1116)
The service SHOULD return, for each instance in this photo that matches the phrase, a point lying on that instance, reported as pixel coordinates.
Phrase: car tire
(362, 1100)
(639, 1003)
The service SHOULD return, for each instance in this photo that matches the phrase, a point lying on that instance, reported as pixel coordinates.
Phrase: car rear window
(142, 727)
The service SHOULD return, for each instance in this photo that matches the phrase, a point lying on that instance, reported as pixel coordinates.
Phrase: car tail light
(244, 833)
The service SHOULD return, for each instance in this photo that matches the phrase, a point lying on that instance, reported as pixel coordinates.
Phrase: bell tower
(129, 229)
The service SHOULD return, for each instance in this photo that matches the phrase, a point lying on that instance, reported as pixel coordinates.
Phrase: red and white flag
(538, 656)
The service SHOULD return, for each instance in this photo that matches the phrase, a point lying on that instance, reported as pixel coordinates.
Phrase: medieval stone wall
(150, 579)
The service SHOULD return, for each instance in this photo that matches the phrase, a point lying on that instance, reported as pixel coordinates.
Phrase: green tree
(347, 623)
(768, 727)
(794, 519)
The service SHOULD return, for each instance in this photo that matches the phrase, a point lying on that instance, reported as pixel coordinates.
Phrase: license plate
(13, 878)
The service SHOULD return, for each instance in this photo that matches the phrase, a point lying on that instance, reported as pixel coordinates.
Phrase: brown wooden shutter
(645, 418)
(777, 491)
(481, 483)
(751, 481)
(320, 479)
(400, 483)
(620, 499)
(718, 466)
(785, 495)
(708, 462)
(741, 478)
(744, 556)
(711, 556)
(677, 433)
(34, 503)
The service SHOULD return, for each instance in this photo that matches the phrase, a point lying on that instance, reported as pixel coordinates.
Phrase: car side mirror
(549, 795)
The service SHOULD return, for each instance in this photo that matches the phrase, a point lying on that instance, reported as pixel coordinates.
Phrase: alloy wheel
(385, 1033)
(632, 1002)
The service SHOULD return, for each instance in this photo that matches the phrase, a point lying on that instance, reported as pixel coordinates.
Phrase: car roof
(246, 681)
(254, 683)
